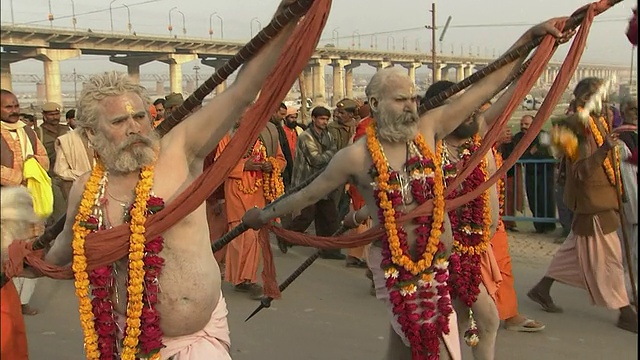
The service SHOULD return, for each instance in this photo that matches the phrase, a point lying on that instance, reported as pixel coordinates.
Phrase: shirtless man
(391, 95)
(113, 113)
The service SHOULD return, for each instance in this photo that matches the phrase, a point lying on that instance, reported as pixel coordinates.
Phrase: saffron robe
(243, 253)
(505, 297)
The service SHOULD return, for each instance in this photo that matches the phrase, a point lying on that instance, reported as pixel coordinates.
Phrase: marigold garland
(608, 168)
(380, 162)
(500, 185)
(273, 185)
(79, 263)
(420, 301)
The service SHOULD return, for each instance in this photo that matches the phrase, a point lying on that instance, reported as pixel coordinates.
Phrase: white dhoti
(593, 263)
(25, 288)
(451, 340)
(211, 343)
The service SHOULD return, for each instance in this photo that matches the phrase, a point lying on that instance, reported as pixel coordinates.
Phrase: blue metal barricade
(533, 179)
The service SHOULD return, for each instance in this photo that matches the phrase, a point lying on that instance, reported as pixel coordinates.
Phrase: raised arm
(61, 253)
(202, 131)
(443, 120)
(336, 174)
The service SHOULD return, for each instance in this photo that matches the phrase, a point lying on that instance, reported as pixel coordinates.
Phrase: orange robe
(505, 297)
(14, 335)
(356, 199)
(243, 253)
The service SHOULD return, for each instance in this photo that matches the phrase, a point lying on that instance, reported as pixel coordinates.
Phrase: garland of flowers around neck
(608, 167)
(271, 182)
(418, 289)
(471, 225)
(500, 186)
(142, 334)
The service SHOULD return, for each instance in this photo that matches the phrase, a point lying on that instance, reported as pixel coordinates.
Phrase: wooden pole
(303, 99)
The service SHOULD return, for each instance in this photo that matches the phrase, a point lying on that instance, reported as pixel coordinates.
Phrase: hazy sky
(485, 25)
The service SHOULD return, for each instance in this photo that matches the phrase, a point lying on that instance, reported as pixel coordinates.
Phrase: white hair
(380, 81)
(16, 215)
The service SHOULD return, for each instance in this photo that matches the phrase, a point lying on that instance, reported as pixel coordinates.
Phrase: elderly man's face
(525, 123)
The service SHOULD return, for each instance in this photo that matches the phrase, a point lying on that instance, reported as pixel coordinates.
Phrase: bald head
(387, 80)
(525, 123)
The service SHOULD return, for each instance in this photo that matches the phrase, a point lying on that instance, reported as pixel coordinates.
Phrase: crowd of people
(445, 277)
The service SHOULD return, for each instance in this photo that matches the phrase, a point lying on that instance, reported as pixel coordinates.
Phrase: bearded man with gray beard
(395, 168)
(163, 300)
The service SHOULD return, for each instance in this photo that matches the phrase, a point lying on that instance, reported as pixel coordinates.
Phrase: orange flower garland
(136, 273)
(500, 186)
(79, 263)
(608, 168)
(273, 185)
(380, 162)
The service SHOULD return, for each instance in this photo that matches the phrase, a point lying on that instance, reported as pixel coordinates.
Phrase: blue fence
(530, 186)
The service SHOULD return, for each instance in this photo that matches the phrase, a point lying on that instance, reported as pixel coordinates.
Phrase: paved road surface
(328, 315)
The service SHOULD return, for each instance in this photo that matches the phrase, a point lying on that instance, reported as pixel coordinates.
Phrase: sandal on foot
(528, 325)
(547, 304)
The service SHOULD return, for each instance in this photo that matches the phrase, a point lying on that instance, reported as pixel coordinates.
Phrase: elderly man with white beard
(397, 167)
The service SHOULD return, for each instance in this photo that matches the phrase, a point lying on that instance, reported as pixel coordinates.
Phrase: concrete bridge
(51, 46)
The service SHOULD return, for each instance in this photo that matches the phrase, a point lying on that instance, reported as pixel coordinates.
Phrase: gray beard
(398, 128)
(125, 158)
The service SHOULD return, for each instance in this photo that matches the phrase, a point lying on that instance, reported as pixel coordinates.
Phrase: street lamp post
(393, 42)
(74, 21)
(417, 45)
(129, 27)
(211, 25)
(111, 14)
(170, 27)
(196, 68)
(184, 25)
(12, 18)
(353, 39)
(257, 22)
(336, 37)
(50, 16)
(404, 43)
(221, 26)
(75, 86)
(374, 41)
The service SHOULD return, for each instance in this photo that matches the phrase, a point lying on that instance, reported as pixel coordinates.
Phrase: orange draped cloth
(14, 335)
(505, 296)
(242, 191)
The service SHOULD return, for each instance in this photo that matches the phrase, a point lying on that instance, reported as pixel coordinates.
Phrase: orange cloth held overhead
(506, 298)
(14, 336)
(243, 254)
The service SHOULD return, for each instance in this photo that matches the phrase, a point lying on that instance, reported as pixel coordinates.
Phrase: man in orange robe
(243, 190)
(505, 295)
(14, 335)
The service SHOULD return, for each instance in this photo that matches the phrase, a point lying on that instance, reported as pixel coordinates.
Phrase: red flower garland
(103, 282)
(467, 223)
(422, 303)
